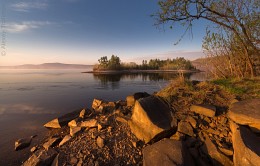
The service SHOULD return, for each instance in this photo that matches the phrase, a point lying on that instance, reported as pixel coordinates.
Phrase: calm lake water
(30, 98)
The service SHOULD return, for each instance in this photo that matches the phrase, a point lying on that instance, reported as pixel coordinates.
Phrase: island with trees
(114, 64)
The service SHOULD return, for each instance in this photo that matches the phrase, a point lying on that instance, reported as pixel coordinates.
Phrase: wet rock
(41, 158)
(217, 157)
(206, 110)
(100, 142)
(167, 152)
(63, 120)
(64, 140)
(74, 130)
(89, 123)
(150, 118)
(185, 128)
(246, 112)
(50, 143)
(246, 146)
(22, 143)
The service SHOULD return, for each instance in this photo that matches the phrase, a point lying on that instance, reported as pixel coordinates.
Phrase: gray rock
(217, 157)
(50, 143)
(246, 146)
(64, 140)
(63, 120)
(151, 118)
(22, 143)
(185, 128)
(167, 152)
(206, 110)
(246, 112)
(41, 158)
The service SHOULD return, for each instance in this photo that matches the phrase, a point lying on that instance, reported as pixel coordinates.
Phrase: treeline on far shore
(114, 63)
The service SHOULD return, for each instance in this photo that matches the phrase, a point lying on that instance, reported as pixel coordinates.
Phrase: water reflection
(112, 80)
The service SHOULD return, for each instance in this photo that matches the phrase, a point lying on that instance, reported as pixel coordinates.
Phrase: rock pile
(144, 130)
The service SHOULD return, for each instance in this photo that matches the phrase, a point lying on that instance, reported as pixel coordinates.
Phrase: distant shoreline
(140, 71)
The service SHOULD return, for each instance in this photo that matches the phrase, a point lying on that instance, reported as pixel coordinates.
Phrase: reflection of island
(108, 79)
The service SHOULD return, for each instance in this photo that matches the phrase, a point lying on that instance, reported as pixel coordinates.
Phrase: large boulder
(246, 112)
(167, 152)
(41, 158)
(246, 146)
(206, 110)
(151, 118)
(63, 120)
(130, 100)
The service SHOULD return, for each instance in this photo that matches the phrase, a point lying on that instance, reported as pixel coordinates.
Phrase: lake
(30, 98)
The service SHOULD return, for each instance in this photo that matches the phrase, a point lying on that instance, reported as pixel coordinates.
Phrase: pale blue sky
(81, 31)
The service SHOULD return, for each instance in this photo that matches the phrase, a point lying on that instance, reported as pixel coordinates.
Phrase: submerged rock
(246, 146)
(151, 117)
(206, 110)
(41, 158)
(246, 112)
(63, 120)
(22, 143)
(167, 152)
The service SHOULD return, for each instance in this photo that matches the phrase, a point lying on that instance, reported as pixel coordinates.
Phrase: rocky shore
(148, 130)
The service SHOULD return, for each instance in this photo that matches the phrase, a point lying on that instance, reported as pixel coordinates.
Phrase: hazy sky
(81, 31)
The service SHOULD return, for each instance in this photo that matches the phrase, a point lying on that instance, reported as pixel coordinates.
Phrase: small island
(114, 65)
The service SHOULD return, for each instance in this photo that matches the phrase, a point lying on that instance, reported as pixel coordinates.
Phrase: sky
(82, 31)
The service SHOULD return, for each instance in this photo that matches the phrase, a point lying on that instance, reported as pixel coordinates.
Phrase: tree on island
(236, 40)
(112, 64)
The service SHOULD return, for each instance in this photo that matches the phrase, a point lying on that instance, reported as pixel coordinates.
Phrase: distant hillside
(48, 66)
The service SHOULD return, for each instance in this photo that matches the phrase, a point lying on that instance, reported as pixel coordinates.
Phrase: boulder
(151, 118)
(74, 130)
(167, 152)
(216, 156)
(64, 140)
(130, 100)
(246, 112)
(41, 158)
(206, 110)
(51, 142)
(22, 143)
(96, 103)
(185, 128)
(89, 123)
(63, 120)
(246, 146)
